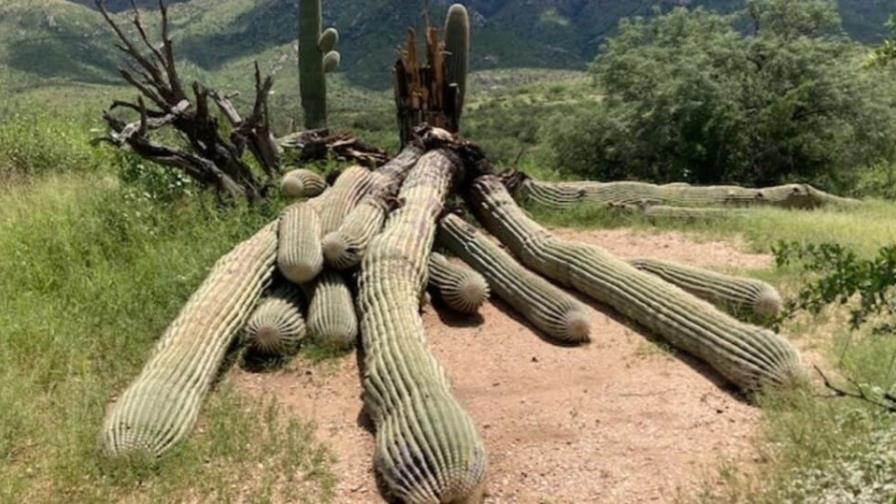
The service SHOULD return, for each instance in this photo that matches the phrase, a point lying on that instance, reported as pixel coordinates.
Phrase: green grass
(90, 277)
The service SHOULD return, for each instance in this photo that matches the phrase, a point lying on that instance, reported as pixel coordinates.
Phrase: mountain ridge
(66, 39)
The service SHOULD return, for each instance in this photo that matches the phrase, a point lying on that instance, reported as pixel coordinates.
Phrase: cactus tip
(334, 247)
(768, 304)
(578, 326)
(474, 290)
(292, 187)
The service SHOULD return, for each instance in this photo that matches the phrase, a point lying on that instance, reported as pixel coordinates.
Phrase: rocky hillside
(65, 39)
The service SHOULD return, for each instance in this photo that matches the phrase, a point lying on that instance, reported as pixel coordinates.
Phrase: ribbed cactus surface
(345, 247)
(457, 45)
(276, 327)
(427, 448)
(737, 295)
(459, 287)
(299, 255)
(749, 356)
(553, 311)
(161, 406)
(348, 190)
(332, 320)
(677, 194)
(302, 183)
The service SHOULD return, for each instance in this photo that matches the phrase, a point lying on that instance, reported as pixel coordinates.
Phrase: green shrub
(693, 96)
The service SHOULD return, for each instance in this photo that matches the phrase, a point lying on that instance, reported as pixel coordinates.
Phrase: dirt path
(618, 421)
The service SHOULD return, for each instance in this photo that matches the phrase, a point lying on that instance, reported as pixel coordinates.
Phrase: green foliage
(89, 278)
(843, 276)
(36, 143)
(690, 97)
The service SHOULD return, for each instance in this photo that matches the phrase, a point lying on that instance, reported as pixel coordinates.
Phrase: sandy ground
(617, 421)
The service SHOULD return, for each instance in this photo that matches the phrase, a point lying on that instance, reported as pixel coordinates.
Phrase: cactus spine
(160, 407)
(739, 296)
(345, 247)
(317, 57)
(457, 45)
(554, 312)
(748, 356)
(299, 254)
(427, 449)
(302, 183)
(332, 321)
(460, 288)
(276, 327)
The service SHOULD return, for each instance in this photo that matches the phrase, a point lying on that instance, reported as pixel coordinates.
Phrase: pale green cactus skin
(348, 190)
(748, 356)
(639, 193)
(457, 45)
(459, 287)
(332, 321)
(345, 247)
(161, 406)
(302, 183)
(317, 57)
(299, 255)
(427, 448)
(739, 296)
(276, 327)
(554, 312)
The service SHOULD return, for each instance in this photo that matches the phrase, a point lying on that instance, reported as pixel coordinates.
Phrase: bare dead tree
(211, 158)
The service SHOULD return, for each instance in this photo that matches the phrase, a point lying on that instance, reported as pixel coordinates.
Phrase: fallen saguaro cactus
(276, 327)
(459, 287)
(737, 295)
(678, 194)
(681, 213)
(161, 406)
(302, 183)
(299, 255)
(427, 449)
(345, 247)
(332, 322)
(348, 190)
(748, 356)
(557, 314)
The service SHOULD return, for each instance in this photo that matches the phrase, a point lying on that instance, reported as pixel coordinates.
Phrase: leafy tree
(769, 94)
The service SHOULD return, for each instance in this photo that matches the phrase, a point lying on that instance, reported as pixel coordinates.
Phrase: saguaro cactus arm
(677, 194)
(748, 356)
(276, 327)
(462, 289)
(427, 449)
(160, 407)
(739, 296)
(551, 310)
(302, 183)
(299, 254)
(332, 321)
(345, 247)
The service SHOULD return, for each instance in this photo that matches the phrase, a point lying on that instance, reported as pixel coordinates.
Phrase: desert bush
(775, 93)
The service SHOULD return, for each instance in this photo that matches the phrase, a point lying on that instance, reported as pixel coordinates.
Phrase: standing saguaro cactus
(457, 45)
(317, 57)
